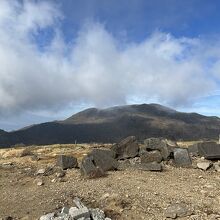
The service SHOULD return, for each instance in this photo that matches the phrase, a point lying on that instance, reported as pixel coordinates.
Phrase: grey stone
(193, 150)
(181, 157)
(178, 210)
(65, 210)
(151, 156)
(204, 165)
(79, 213)
(154, 166)
(60, 174)
(127, 148)
(49, 216)
(97, 214)
(157, 144)
(217, 167)
(41, 171)
(88, 168)
(78, 203)
(67, 162)
(210, 150)
(104, 159)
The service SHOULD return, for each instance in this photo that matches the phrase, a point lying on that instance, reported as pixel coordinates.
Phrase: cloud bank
(95, 67)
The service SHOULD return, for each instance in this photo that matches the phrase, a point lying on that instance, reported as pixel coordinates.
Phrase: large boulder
(104, 159)
(66, 162)
(127, 148)
(164, 146)
(151, 156)
(210, 150)
(89, 169)
(181, 157)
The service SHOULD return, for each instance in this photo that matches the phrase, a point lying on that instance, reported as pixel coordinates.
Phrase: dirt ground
(124, 194)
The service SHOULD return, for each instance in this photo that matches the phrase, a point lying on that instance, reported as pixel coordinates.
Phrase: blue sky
(60, 56)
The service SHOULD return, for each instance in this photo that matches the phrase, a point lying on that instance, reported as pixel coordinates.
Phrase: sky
(58, 57)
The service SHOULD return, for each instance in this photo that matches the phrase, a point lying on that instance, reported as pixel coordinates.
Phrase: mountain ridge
(114, 123)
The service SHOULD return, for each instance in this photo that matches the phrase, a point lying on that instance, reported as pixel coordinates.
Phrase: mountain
(2, 132)
(113, 124)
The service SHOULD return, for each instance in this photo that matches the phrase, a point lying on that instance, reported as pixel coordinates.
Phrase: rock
(210, 150)
(60, 174)
(88, 168)
(49, 216)
(97, 214)
(67, 162)
(217, 167)
(151, 156)
(39, 182)
(41, 171)
(104, 159)
(157, 144)
(127, 148)
(65, 210)
(154, 166)
(35, 158)
(26, 152)
(76, 213)
(193, 150)
(178, 210)
(181, 157)
(45, 171)
(78, 203)
(204, 165)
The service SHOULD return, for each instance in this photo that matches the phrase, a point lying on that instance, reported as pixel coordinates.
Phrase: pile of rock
(149, 156)
(77, 212)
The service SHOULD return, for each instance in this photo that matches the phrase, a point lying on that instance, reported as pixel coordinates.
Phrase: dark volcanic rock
(151, 156)
(157, 144)
(88, 168)
(193, 150)
(210, 150)
(181, 157)
(104, 159)
(67, 162)
(127, 148)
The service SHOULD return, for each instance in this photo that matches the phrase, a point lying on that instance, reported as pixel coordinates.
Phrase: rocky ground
(30, 186)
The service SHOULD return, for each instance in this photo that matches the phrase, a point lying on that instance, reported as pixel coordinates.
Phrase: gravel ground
(126, 194)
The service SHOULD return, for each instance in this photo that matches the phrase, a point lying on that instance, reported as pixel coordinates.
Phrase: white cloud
(96, 68)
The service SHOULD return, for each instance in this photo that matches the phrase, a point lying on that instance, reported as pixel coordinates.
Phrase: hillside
(113, 124)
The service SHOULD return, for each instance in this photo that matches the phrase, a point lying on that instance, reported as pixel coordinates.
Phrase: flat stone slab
(181, 157)
(209, 150)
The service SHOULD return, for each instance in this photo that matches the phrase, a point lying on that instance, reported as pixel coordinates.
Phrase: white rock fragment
(79, 213)
(49, 216)
(204, 165)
